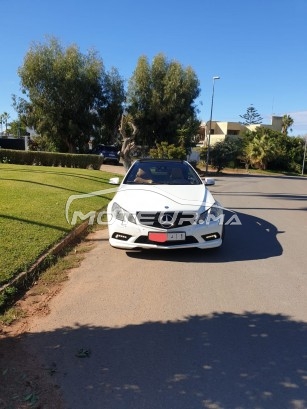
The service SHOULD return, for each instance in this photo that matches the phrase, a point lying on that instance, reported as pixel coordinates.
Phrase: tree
(1, 122)
(161, 99)
(17, 129)
(68, 94)
(110, 113)
(223, 152)
(128, 143)
(4, 120)
(262, 148)
(287, 122)
(268, 149)
(251, 116)
(165, 151)
(289, 156)
(41, 143)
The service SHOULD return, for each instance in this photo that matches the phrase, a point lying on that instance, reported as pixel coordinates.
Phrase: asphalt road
(217, 329)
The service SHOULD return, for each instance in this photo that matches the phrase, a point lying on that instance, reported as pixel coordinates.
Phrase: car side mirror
(209, 181)
(114, 181)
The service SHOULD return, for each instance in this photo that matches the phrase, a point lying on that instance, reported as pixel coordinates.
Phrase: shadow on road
(254, 238)
(221, 361)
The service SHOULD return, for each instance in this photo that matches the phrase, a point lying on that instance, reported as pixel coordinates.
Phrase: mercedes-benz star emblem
(166, 220)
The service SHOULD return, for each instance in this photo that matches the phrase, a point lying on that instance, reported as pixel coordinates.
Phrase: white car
(164, 204)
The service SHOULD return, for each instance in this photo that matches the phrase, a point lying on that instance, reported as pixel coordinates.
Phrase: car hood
(156, 197)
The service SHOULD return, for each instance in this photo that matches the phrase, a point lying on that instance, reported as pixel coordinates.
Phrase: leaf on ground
(83, 353)
(31, 398)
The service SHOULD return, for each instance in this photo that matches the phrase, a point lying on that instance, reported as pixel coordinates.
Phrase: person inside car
(143, 176)
(177, 177)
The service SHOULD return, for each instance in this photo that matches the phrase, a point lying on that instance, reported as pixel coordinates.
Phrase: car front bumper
(132, 236)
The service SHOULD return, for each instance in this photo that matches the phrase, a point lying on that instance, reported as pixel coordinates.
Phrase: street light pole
(209, 135)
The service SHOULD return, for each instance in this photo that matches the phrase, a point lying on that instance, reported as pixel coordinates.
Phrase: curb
(28, 276)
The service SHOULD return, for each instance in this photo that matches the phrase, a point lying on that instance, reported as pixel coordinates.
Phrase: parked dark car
(110, 153)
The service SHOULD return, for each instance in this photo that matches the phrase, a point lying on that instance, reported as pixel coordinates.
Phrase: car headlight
(215, 213)
(121, 214)
(202, 217)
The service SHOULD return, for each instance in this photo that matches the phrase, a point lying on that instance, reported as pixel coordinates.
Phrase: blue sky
(259, 48)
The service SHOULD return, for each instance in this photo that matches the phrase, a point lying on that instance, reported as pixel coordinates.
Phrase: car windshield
(161, 172)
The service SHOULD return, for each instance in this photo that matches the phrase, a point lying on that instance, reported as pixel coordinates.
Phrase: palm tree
(260, 150)
(5, 117)
(1, 122)
(287, 122)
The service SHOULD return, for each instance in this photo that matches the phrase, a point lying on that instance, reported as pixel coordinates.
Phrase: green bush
(67, 160)
(166, 151)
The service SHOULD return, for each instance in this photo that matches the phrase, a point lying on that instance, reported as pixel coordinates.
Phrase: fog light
(211, 236)
(121, 236)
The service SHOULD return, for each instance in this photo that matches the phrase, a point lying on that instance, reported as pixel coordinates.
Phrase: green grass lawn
(32, 210)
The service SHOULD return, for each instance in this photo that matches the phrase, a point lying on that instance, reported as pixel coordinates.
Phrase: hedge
(68, 160)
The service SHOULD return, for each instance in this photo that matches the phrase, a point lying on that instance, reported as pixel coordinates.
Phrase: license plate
(163, 237)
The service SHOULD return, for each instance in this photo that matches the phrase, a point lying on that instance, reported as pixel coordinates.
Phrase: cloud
(300, 117)
(300, 122)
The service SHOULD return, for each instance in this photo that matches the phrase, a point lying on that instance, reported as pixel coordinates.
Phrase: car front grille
(166, 220)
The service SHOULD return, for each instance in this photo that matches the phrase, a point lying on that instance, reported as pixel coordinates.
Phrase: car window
(162, 173)
(104, 148)
(110, 149)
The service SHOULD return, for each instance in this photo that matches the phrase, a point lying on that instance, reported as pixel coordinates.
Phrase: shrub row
(67, 160)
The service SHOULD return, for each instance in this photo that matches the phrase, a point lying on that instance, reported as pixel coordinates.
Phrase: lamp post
(209, 135)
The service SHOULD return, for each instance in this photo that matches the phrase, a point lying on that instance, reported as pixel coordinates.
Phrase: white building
(221, 130)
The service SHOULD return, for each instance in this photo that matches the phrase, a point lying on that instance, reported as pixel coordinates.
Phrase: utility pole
(208, 146)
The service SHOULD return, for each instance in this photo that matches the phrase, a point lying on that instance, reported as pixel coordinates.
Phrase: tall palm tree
(287, 122)
(5, 118)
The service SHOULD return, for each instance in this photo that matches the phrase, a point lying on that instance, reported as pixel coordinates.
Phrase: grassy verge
(32, 210)
(48, 282)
